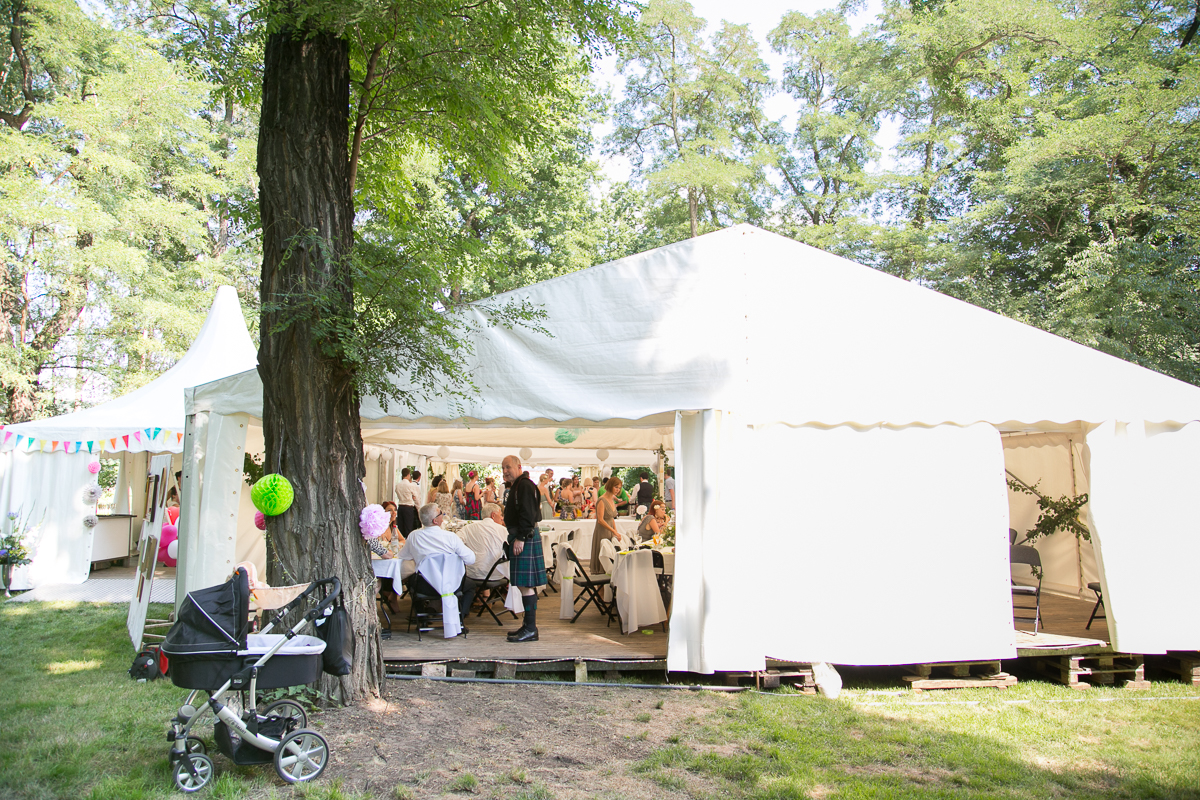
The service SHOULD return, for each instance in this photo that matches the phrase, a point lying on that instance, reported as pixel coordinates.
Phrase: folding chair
(591, 586)
(1023, 554)
(427, 604)
(664, 580)
(1095, 587)
(381, 608)
(493, 585)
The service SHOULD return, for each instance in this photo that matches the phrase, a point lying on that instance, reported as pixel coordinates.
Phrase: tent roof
(776, 331)
(152, 417)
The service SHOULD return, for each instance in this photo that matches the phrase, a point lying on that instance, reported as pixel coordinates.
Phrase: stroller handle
(330, 596)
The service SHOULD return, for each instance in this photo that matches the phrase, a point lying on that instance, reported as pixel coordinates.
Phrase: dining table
(635, 583)
(582, 543)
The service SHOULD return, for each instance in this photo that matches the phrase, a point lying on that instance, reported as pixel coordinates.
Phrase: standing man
(645, 492)
(406, 503)
(527, 569)
(669, 488)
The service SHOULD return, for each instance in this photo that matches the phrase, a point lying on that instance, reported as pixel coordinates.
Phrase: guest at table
(444, 499)
(472, 495)
(489, 492)
(431, 539)
(606, 526)
(386, 546)
(654, 521)
(406, 502)
(393, 532)
(527, 567)
(486, 538)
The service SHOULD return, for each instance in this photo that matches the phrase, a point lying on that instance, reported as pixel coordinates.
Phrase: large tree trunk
(310, 404)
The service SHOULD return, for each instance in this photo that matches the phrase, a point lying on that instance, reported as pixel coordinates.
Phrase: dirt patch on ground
(534, 740)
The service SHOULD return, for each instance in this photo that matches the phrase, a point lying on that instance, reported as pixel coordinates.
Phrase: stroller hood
(212, 622)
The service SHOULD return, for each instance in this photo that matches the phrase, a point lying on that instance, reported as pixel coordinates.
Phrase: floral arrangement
(373, 521)
(13, 549)
(667, 537)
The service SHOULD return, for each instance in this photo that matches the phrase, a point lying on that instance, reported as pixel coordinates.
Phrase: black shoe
(530, 635)
(512, 635)
(464, 631)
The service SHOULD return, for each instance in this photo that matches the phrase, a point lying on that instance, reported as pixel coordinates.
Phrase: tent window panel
(108, 477)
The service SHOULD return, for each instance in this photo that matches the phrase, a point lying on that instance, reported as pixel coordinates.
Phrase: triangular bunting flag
(137, 435)
(19, 438)
(125, 439)
(90, 446)
(179, 437)
(156, 432)
(148, 434)
(54, 444)
(8, 435)
(32, 443)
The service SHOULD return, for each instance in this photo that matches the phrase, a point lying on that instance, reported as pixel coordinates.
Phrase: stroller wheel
(289, 710)
(302, 756)
(196, 745)
(185, 781)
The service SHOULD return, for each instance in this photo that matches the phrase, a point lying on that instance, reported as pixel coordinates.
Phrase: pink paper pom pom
(373, 521)
(168, 536)
(94, 467)
(260, 520)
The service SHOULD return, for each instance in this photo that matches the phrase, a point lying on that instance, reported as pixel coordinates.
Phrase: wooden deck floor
(589, 638)
(1067, 616)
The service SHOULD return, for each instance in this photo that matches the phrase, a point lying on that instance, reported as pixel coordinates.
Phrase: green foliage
(1057, 514)
(691, 121)
(108, 178)
(252, 468)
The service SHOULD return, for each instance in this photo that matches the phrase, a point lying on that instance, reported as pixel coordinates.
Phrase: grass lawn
(73, 725)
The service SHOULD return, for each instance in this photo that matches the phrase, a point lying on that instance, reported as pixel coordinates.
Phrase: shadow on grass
(788, 747)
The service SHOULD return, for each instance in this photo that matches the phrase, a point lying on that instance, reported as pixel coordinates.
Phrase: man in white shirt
(431, 539)
(486, 538)
(406, 503)
(669, 490)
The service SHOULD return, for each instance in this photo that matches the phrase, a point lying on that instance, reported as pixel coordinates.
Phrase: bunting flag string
(32, 443)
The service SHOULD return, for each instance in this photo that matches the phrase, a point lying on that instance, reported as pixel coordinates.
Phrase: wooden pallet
(777, 673)
(1184, 664)
(959, 675)
(1085, 671)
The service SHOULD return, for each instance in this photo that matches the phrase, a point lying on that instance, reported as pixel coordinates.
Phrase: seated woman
(387, 546)
(654, 521)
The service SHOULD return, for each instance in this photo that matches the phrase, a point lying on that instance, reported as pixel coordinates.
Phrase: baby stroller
(210, 649)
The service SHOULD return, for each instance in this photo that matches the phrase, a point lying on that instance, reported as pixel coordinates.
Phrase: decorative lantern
(272, 494)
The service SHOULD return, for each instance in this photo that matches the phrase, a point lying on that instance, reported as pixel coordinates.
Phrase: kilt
(529, 568)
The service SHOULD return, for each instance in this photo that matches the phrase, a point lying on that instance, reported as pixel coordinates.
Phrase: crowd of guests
(502, 522)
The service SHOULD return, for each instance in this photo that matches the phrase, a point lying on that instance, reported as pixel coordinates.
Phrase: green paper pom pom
(272, 495)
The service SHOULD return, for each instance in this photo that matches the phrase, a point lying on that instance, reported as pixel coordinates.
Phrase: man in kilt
(527, 564)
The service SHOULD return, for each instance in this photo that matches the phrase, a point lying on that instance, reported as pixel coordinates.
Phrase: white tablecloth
(638, 598)
(582, 543)
(394, 568)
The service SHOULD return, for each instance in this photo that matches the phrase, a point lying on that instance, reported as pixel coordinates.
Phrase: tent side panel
(697, 437)
(47, 488)
(891, 547)
(1145, 519)
(212, 491)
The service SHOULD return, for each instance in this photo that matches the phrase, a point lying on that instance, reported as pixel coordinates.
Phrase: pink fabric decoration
(169, 534)
(260, 520)
(94, 467)
(373, 521)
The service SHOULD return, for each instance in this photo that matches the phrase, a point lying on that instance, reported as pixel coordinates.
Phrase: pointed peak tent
(43, 466)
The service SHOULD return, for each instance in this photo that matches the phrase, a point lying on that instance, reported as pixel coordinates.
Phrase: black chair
(427, 606)
(664, 580)
(495, 587)
(1023, 554)
(381, 607)
(1095, 587)
(592, 586)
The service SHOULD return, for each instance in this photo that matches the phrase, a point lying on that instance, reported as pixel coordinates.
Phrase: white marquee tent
(842, 438)
(43, 463)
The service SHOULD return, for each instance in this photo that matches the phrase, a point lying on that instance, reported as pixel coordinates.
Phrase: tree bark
(310, 404)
